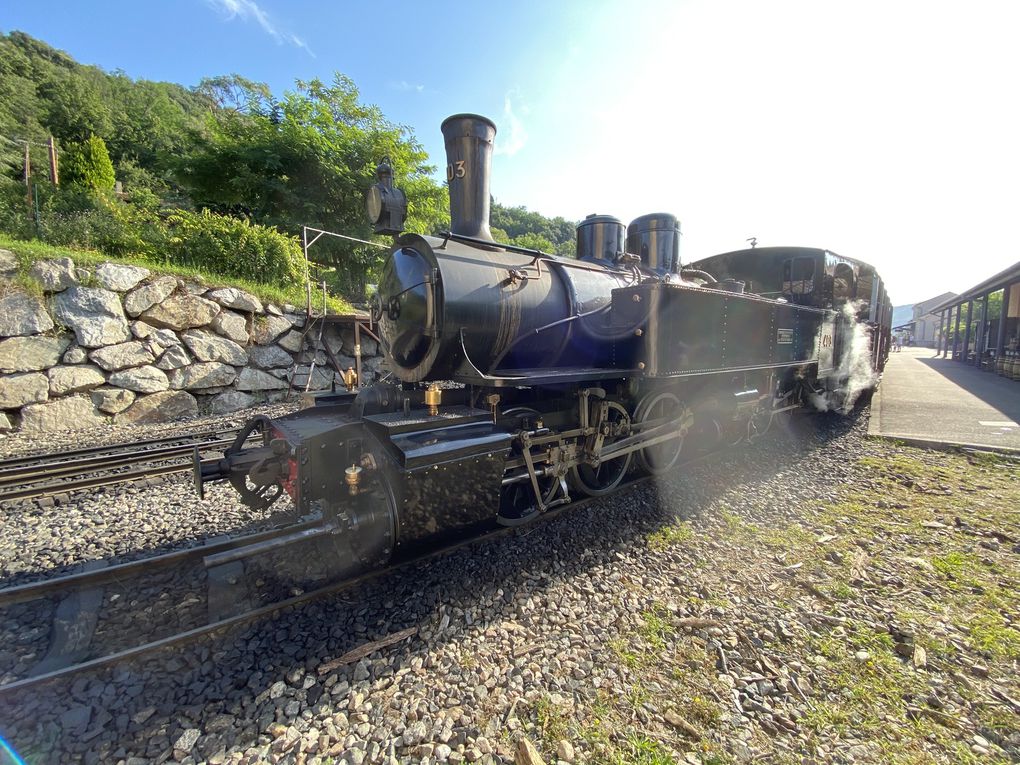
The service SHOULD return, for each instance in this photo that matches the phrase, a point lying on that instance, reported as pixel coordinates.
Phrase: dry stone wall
(116, 343)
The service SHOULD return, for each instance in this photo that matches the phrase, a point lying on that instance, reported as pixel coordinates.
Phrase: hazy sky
(885, 131)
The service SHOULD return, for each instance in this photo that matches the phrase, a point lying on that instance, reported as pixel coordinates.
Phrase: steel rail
(28, 459)
(69, 582)
(34, 492)
(117, 459)
(330, 589)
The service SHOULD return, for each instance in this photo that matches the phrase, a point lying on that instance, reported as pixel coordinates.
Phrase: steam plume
(854, 374)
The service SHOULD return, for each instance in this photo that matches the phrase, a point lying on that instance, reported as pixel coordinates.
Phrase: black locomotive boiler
(520, 380)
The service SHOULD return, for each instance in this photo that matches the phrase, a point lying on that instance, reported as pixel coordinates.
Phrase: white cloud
(249, 10)
(514, 134)
(405, 86)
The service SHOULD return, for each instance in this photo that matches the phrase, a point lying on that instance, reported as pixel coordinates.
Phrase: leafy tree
(232, 92)
(534, 242)
(74, 109)
(518, 222)
(87, 164)
(308, 160)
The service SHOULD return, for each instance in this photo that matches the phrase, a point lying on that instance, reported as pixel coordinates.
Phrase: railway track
(42, 475)
(78, 599)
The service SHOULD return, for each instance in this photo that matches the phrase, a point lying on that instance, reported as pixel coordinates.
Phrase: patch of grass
(990, 635)
(671, 535)
(789, 537)
(840, 591)
(639, 750)
(896, 464)
(625, 653)
(551, 720)
(655, 628)
(987, 459)
(953, 564)
(736, 525)
(701, 712)
(28, 252)
(29, 284)
(638, 696)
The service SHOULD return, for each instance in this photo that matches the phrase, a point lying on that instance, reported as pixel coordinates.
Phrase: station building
(923, 328)
(981, 325)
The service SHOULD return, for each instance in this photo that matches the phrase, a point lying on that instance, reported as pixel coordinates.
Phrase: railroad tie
(228, 588)
(74, 622)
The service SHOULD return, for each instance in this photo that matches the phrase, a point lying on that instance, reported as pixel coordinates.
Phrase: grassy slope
(29, 252)
(937, 553)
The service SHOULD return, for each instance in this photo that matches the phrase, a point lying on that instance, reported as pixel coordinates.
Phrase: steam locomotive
(520, 380)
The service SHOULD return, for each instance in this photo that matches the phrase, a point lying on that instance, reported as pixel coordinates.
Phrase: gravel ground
(123, 521)
(815, 597)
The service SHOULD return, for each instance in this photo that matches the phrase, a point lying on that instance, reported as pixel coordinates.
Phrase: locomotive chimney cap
(468, 118)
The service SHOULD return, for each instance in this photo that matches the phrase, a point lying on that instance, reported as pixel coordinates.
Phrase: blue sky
(885, 131)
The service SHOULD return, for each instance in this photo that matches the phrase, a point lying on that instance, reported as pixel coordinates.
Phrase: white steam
(855, 374)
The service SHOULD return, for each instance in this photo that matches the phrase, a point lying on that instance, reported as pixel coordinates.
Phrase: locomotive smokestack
(469, 140)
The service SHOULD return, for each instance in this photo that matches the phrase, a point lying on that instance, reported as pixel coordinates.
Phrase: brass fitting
(350, 378)
(352, 476)
(493, 401)
(433, 397)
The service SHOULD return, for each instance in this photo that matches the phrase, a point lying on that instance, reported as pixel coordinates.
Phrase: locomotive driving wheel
(517, 503)
(599, 477)
(660, 407)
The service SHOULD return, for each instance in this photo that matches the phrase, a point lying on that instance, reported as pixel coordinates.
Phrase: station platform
(932, 401)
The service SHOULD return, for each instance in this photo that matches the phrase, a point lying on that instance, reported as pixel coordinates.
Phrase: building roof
(924, 307)
(991, 284)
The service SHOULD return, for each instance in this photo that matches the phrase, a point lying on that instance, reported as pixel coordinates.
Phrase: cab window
(799, 276)
(843, 283)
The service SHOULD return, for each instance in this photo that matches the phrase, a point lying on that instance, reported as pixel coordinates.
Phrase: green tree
(87, 164)
(518, 222)
(308, 159)
(74, 108)
(534, 242)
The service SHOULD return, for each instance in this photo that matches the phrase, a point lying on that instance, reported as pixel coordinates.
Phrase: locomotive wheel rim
(601, 480)
(659, 458)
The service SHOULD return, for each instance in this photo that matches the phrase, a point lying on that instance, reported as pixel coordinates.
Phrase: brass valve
(350, 378)
(352, 476)
(433, 397)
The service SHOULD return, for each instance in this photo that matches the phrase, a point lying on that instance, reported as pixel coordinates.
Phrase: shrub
(233, 247)
(89, 220)
(87, 164)
(217, 245)
(15, 216)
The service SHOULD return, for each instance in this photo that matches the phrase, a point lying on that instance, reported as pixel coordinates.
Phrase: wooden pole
(54, 175)
(28, 177)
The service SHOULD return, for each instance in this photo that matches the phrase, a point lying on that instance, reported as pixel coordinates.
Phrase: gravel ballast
(798, 598)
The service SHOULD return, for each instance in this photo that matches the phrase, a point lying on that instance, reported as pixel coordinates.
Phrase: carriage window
(843, 283)
(799, 276)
